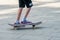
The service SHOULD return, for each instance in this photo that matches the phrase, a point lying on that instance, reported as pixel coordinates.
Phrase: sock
(24, 19)
(17, 21)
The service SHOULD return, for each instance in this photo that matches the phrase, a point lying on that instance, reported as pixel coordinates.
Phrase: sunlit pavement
(46, 11)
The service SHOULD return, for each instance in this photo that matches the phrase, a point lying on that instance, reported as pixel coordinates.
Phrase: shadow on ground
(30, 28)
(4, 7)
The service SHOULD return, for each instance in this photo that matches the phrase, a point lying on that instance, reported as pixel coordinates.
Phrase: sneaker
(25, 22)
(17, 22)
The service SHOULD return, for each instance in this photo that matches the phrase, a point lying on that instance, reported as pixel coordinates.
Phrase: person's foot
(25, 22)
(17, 22)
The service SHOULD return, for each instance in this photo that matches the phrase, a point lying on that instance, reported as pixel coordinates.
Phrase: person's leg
(25, 17)
(19, 15)
(28, 5)
(21, 6)
(27, 12)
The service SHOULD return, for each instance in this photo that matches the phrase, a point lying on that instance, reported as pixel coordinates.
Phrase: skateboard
(17, 26)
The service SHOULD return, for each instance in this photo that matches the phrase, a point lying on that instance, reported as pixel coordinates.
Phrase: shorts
(27, 3)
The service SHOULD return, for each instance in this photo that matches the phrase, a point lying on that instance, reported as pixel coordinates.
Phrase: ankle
(17, 21)
(24, 19)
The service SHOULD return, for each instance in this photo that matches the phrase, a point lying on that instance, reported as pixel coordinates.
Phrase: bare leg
(19, 13)
(27, 12)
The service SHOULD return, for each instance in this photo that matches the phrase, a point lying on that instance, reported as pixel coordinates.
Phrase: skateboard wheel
(33, 26)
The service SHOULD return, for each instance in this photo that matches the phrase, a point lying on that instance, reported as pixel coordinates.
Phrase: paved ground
(47, 12)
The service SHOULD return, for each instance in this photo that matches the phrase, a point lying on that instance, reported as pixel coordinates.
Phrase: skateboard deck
(23, 25)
